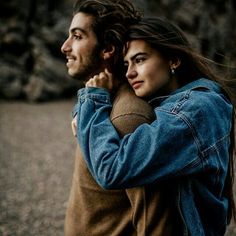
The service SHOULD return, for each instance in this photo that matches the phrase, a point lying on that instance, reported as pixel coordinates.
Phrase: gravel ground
(36, 159)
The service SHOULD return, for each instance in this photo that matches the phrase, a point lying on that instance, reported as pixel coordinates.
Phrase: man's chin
(72, 73)
(77, 76)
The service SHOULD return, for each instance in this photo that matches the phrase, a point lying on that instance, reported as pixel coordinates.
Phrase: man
(95, 43)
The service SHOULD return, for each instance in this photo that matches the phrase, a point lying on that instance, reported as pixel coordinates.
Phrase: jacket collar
(200, 83)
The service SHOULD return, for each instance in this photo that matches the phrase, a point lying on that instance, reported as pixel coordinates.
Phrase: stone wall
(32, 32)
(31, 64)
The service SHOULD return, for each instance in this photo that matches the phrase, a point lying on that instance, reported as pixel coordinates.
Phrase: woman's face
(147, 71)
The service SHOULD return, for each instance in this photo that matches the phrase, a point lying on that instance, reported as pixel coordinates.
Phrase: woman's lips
(137, 84)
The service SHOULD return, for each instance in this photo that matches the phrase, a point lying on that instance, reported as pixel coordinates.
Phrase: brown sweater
(140, 211)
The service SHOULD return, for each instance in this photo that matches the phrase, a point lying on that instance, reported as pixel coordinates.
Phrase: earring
(172, 71)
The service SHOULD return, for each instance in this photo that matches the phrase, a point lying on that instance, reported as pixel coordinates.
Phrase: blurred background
(37, 96)
(32, 32)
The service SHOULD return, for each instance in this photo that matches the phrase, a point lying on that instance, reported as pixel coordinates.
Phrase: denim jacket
(187, 146)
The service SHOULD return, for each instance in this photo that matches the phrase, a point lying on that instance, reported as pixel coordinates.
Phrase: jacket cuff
(96, 94)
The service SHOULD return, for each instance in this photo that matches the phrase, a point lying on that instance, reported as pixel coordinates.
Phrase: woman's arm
(151, 153)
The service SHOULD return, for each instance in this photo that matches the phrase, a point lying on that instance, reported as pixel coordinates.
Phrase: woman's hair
(172, 44)
(111, 20)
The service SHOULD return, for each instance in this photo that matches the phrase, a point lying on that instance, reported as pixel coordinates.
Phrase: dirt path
(36, 164)
(36, 160)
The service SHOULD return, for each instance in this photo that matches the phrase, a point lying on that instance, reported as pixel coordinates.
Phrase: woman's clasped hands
(102, 80)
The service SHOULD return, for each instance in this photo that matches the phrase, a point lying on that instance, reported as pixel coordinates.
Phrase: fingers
(102, 80)
(74, 126)
(106, 71)
(98, 81)
(91, 83)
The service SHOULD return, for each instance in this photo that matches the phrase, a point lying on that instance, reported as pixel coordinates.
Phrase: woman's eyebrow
(135, 55)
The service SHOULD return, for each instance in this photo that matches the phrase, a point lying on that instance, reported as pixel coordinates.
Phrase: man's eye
(77, 36)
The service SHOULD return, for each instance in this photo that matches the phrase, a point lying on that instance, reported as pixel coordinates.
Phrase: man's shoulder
(125, 101)
(130, 111)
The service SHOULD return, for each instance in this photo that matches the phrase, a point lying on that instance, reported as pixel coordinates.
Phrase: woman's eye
(139, 60)
(125, 66)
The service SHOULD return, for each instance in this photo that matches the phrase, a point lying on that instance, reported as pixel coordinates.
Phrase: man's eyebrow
(73, 30)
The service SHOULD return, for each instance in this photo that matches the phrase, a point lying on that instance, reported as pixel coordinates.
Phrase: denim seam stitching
(188, 123)
(214, 146)
(182, 100)
(194, 135)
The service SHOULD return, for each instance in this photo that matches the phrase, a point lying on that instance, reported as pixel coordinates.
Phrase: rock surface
(32, 32)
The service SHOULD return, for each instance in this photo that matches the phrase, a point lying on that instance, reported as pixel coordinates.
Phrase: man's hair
(111, 19)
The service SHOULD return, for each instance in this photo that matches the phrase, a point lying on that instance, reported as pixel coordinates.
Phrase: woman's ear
(175, 63)
(108, 52)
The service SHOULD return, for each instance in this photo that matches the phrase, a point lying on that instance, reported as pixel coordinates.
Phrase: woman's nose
(131, 73)
(66, 47)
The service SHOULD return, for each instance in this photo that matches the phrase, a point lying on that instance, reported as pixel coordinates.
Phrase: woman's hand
(102, 80)
(74, 126)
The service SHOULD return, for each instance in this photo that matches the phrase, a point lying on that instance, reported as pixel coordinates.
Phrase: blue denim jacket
(187, 146)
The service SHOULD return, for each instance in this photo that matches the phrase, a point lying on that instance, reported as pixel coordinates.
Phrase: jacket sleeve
(151, 153)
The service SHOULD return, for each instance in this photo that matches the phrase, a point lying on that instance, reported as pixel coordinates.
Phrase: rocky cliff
(32, 32)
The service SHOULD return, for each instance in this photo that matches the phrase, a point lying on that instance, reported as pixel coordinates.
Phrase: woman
(189, 146)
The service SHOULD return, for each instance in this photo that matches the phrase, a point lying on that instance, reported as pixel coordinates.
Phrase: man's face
(81, 48)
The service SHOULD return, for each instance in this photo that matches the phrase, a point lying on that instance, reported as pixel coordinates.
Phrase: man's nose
(66, 47)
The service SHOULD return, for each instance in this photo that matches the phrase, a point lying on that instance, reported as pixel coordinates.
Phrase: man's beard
(92, 66)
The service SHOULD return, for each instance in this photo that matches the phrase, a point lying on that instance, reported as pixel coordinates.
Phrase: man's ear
(108, 52)
(175, 63)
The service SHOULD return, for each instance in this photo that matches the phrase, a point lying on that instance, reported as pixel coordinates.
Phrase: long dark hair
(171, 42)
